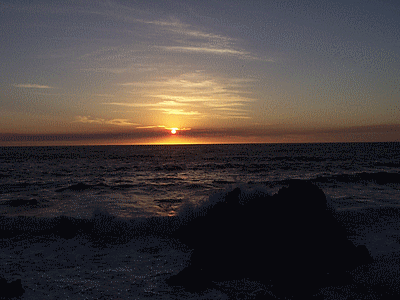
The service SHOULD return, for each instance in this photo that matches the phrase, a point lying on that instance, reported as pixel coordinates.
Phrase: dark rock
(10, 290)
(20, 202)
(66, 227)
(290, 238)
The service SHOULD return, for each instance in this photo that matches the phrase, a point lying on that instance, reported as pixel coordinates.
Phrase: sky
(129, 72)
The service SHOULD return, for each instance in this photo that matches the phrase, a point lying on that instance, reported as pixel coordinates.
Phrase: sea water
(134, 182)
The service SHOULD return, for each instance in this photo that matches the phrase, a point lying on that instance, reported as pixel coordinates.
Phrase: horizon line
(199, 144)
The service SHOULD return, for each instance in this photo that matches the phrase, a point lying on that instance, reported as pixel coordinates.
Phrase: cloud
(229, 116)
(150, 127)
(214, 50)
(174, 30)
(120, 122)
(180, 129)
(33, 86)
(171, 111)
(208, 94)
(132, 69)
(181, 99)
(81, 119)
(178, 27)
(130, 104)
(90, 120)
(170, 103)
(174, 23)
(223, 105)
(199, 34)
(163, 103)
(227, 97)
(104, 95)
(206, 50)
(162, 126)
(234, 117)
(231, 109)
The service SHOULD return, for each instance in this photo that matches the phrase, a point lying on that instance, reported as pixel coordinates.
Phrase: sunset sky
(127, 72)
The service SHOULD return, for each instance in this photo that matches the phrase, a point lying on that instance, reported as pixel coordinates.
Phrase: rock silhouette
(20, 202)
(10, 290)
(290, 239)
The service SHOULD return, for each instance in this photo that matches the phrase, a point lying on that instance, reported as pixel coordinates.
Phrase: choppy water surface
(154, 180)
(134, 181)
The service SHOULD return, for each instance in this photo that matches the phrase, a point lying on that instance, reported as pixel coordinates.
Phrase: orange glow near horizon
(177, 139)
(162, 135)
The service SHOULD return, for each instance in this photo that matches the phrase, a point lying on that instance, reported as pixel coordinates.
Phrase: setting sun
(173, 130)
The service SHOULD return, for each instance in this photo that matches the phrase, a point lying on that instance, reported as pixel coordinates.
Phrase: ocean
(139, 182)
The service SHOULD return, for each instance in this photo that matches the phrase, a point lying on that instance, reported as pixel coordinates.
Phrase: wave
(297, 158)
(215, 166)
(123, 186)
(81, 187)
(192, 186)
(101, 228)
(377, 177)
(170, 168)
(224, 181)
(125, 168)
(116, 228)
(169, 200)
(388, 164)
(16, 187)
(380, 178)
(84, 186)
(32, 203)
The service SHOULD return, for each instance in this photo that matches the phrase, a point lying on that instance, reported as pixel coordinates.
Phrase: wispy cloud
(163, 103)
(150, 127)
(229, 116)
(132, 69)
(90, 120)
(234, 117)
(173, 36)
(222, 105)
(221, 50)
(172, 111)
(178, 27)
(173, 23)
(209, 95)
(206, 50)
(169, 111)
(104, 95)
(121, 122)
(204, 35)
(232, 109)
(170, 103)
(33, 86)
(223, 97)
(81, 119)
(129, 104)
(182, 99)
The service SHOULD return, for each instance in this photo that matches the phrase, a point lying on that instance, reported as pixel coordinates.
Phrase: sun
(173, 130)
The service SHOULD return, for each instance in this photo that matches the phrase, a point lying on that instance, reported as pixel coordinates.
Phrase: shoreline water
(79, 267)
